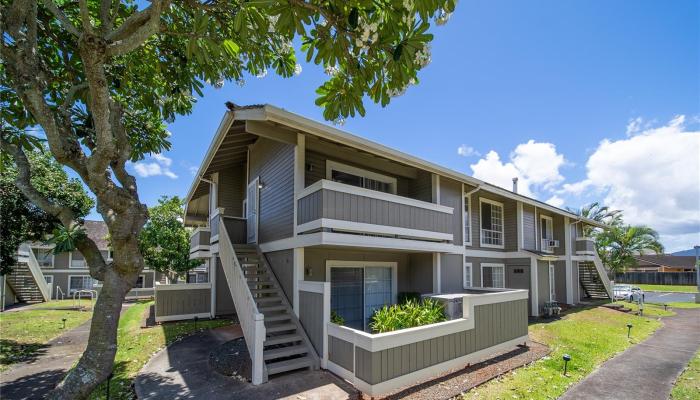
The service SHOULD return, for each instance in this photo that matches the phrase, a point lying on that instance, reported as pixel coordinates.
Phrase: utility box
(451, 302)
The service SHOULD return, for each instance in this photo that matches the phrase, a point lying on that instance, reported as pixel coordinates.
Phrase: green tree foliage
(600, 213)
(165, 242)
(618, 245)
(20, 219)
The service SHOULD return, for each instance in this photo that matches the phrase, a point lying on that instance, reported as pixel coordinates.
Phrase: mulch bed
(231, 359)
(458, 382)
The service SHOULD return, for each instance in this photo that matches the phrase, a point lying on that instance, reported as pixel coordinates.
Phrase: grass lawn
(669, 288)
(688, 384)
(678, 304)
(24, 333)
(650, 309)
(590, 336)
(136, 346)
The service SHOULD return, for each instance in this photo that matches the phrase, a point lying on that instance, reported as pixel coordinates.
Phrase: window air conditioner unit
(552, 243)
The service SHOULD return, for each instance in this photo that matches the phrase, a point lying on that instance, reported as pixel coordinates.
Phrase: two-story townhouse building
(317, 205)
(43, 275)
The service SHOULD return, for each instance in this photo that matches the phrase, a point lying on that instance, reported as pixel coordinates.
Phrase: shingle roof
(666, 260)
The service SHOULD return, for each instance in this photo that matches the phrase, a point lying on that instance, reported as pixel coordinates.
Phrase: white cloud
(535, 164)
(161, 166)
(193, 170)
(467, 151)
(654, 177)
(634, 125)
(555, 201)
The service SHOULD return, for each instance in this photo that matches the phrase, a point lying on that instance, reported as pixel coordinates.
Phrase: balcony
(199, 243)
(334, 207)
(585, 246)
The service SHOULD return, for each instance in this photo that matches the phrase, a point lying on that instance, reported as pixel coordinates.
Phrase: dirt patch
(460, 381)
(231, 359)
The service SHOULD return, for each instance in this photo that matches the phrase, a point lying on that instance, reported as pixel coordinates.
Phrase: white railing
(603, 274)
(59, 291)
(38, 276)
(251, 320)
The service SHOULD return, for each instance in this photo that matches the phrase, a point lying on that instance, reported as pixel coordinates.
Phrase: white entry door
(49, 283)
(252, 204)
(552, 283)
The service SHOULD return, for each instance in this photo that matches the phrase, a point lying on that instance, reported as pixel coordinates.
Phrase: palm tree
(599, 213)
(618, 245)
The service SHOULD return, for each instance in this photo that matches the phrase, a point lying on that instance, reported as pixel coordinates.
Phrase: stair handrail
(603, 275)
(38, 276)
(60, 291)
(251, 320)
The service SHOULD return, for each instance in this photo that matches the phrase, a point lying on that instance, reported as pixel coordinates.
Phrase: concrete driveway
(667, 297)
(648, 370)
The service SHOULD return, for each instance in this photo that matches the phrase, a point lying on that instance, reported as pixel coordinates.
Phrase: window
(467, 221)
(493, 275)
(80, 282)
(140, 282)
(467, 275)
(44, 257)
(77, 260)
(348, 175)
(491, 223)
(546, 233)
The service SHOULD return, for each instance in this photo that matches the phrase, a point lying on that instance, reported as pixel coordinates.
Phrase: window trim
(70, 262)
(143, 282)
(493, 265)
(550, 220)
(334, 165)
(466, 264)
(483, 200)
(53, 257)
(70, 290)
(467, 200)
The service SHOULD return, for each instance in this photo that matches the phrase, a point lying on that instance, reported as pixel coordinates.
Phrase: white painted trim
(436, 188)
(213, 266)
(569, 263)
(183, 286)
(200, 247)
(341, 187)
(312, 286)
(585, 238)
(326, 321)
(492, 265)
(334, 165)
(534, 287)
(361, 227)
(483, 200)
(299, 172)
(350, 240)
(143, 282)
(75, 276)
(552, 282)
(199, 229)
(521, 226)
(468, 202)
(437, 273)
(466, 264)
(182, 317)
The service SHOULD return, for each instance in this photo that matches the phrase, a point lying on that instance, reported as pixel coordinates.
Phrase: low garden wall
(182, 301)
(377, 364)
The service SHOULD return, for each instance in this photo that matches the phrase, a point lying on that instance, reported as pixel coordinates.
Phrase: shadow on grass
(34, 386)
(568, 310)
(12, 352)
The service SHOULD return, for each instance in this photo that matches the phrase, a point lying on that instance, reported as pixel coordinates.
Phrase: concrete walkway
(648, 370)
(181, 371)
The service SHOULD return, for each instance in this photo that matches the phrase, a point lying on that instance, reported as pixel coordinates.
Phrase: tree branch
(85, 17)
(61, 17)
(133, 33)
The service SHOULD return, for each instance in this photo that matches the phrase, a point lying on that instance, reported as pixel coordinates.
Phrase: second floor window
(491, 223)
(44, 257)
(467, 275)
(358, 177)
(77, 260)
(467, 221)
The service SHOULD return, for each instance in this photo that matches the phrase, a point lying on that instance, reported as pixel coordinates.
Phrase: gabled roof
(666, 260)
(98, 232)
(295, 122)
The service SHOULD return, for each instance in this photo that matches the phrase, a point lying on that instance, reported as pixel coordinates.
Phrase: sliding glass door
(357, 292)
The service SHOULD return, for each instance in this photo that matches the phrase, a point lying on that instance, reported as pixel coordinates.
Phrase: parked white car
(628, 292)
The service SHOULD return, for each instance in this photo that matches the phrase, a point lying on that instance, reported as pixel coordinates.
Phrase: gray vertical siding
(422, 187)
(351, 207)
(224, 300)
(232, 187)
(200, 238)
(315, 262)
(236, 229)
(542, 282)
(560, 281)
(420, 273)
(311, 317)
(451, 196)
(282, 264)
(183, 302)
(575, 285)
(585, 245)
(340, 352)
(273, 162)
(494, 324)
(451, 273)
(529, 226)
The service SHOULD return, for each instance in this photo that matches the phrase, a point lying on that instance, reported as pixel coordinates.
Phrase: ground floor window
(80, 282)
(358, 290)
(467, 275)
(493, 275)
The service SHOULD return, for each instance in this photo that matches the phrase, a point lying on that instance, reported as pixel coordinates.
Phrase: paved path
(648, 370)
(181, 371)
(668, 297)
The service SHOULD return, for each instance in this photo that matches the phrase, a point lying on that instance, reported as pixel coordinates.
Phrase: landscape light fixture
(195, 322)
(629, 329)
(665, 307)
(566, 358)
(64, 323)
(109, 383)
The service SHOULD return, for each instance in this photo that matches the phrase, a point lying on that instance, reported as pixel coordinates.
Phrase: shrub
(410, 314)
(337, 319)
(404, 297)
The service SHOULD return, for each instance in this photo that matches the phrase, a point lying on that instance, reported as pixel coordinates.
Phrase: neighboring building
(294, 209)
(663, 263)
(64, 274)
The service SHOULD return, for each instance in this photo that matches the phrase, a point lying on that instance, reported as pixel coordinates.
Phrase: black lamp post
(566, 358)
(629, 329)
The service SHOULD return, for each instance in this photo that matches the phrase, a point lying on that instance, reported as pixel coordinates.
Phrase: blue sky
(565, 75)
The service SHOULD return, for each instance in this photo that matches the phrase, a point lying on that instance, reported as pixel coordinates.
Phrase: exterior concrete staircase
(591, 282)
(286, 345)
(22, 282)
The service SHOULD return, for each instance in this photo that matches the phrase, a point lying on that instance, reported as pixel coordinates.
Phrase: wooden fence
(657, 278)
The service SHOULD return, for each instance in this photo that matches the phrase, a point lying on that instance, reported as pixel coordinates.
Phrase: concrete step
(282, 339)
(289, 365)
(281, 352)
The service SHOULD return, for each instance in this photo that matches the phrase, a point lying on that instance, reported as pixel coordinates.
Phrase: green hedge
(410, 314)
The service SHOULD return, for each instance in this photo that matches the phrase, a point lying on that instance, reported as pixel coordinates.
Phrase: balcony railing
(585, 246)
(333, 206)
(200, 243)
